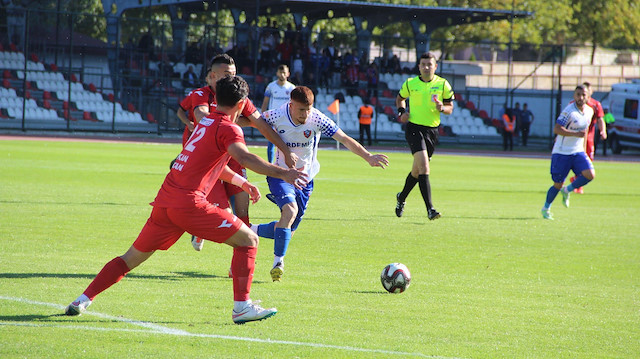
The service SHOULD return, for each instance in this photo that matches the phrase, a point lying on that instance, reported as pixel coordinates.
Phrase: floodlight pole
(508, 95)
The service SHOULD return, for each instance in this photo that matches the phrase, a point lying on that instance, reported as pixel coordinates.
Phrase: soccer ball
(395, 278)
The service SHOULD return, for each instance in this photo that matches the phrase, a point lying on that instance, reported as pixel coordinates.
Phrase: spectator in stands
(517, 113)
(190, 79)
(285, 50)
(351, 79)
(165, 67)
(297, 67)
(394, 65)
(145, 45)
(365, 114)
(509, 128)
(324, 68)
(267, 47)
(526, 119)
(336, 70)
(373, 78)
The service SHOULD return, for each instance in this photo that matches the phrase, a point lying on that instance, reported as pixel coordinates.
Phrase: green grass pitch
(490, 279)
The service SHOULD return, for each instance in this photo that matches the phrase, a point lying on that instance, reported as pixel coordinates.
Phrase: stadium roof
(375, 13)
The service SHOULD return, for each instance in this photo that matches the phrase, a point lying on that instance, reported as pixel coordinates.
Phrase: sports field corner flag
(334, 108)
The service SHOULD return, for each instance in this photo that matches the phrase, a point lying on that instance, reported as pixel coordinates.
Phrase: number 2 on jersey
(195, 137)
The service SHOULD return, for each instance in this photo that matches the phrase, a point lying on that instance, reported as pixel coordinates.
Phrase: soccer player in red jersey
(181, 204)
(201, 102)
(598, 118)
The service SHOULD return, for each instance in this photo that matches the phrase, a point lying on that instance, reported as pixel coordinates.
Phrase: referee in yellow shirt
(429, 96)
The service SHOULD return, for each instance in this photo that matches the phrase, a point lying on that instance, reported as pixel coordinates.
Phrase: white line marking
(159, 329)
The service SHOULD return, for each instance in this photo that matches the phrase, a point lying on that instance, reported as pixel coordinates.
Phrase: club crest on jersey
(307, 133)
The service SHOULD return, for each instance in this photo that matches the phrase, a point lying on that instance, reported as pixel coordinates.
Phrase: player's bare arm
(377, 160)
(182, 115)
(265, 104)
(200, 112)
(228, 175)
(240, 153)
(602, 126)
(271, 135)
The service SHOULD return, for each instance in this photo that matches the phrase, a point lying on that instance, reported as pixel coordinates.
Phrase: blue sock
(267, 230)
(551, 195)
(282, 238)
(578, 182)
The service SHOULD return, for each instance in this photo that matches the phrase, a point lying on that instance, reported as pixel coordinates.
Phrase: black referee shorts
(421, 138)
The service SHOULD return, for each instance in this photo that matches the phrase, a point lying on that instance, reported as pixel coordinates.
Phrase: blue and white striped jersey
(573, 119)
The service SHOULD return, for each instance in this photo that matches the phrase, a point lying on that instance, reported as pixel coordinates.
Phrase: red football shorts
(218, 195)
(166, 225)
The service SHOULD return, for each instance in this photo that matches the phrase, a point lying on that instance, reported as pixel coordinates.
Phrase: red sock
(242, 266)
(245, 220)
(110, 274)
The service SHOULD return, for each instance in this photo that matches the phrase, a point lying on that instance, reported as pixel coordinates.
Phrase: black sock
(409, 183)
(425, 189)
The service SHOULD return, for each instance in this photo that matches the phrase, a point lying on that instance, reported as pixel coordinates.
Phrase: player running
(300, 126)
(568, 152)
(181, 204)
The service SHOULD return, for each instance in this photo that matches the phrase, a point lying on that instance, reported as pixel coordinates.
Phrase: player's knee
(249, 239)
(590, 175)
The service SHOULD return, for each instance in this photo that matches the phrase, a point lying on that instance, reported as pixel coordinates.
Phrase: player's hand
(253, 191)
(291, 160)
(603, 135)
(191, 126)
(439, 104)
(378, 160)
(582, 133)
(404, 118)
(296, 177)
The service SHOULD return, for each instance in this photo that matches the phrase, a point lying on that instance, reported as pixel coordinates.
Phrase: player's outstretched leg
(78, 306)
(399, 205)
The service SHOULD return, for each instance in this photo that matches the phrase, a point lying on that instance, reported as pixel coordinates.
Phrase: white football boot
(78, 306)
(252, 312)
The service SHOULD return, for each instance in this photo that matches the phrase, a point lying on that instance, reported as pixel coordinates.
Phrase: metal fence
(134, 84)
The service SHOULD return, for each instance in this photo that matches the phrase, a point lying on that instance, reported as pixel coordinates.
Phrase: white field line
(159, 329)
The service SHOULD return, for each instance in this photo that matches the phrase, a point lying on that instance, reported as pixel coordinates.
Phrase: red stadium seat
(34, 58)
(13, 47)
(87, 116)
(110, 97)
(54, 67)
(387, 93)
(373, 101)
(470, 105)
(65, 105)
(6, 74)
(483, 114)
(27, 93)
(74, 78)
(458, 97)
(92, 87)
(150, 118)
(6, 83)
(131, 107)
(46, 104)
(46, 95)
(389, 110)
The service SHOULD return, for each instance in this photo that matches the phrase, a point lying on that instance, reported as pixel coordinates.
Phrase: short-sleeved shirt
(573, 119)
(199, 165)
(598, 112)
(277, 94)
(423, 110)
(301, 139)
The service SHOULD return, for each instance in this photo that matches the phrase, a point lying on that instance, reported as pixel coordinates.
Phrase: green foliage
(491, 279)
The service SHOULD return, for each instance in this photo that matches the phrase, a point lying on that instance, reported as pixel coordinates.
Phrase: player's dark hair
(230, 90)
(221, 59)
(283, 67)
(303, 95)
(428, 55)
(581, 87)
(587, 84)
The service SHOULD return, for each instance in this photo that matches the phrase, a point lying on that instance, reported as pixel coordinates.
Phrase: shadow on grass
(29, 318)
(170, 277)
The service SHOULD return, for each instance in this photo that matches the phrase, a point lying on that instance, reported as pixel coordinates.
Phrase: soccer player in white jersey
(569, 150)
(276, 94)
(300, 126)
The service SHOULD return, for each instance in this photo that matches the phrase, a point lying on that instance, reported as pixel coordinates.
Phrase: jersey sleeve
(563, 119)
(326, 125)
(267, 91)
(249, 108)
(229, 134)
(199, 98)
(404, 89)
(270, 116)
(447, 92)
(598, 110)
